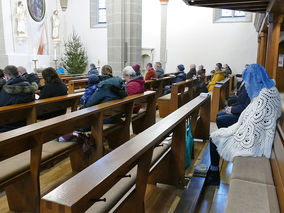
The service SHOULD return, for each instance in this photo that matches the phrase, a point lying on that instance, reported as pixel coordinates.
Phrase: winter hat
(136, 67)
(180, 67)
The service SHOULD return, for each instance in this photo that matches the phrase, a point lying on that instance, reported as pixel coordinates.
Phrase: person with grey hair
(159, 70)
(29, 77)
(134, 83)
(15, 91)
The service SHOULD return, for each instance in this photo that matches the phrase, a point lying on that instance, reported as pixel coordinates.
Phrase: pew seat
(257, 183)
(126, 185)
(21, 162)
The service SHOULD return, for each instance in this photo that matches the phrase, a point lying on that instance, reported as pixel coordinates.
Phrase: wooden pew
(136, 162)
(181, 93)
(22, 184)
(29, 112)
(67, 79)
(219, 96)
(77, 84)
(261, 177)
(158, 85)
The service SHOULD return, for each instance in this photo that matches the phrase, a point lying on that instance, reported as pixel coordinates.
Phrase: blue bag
(188, 144)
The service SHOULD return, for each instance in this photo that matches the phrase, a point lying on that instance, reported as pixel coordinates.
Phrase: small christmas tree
(75, 58)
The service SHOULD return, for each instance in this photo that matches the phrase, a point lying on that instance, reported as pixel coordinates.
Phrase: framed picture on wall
(37, 9)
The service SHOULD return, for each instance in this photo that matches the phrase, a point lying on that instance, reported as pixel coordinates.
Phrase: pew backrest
(77, 84)
(158, 85)
(30, 111)
(86, 188)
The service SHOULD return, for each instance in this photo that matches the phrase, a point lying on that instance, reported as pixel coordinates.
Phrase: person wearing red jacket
(134, 83)
(151, 72)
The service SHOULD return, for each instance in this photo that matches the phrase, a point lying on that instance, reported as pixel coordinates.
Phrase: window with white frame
(98, 13)
(229, 16)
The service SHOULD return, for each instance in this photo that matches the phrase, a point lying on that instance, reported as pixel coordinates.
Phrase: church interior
(156, 106)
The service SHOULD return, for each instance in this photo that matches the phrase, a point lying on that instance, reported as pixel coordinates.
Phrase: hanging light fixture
(63, 4)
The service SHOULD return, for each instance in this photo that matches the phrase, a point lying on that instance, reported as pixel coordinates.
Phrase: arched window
(98, 13)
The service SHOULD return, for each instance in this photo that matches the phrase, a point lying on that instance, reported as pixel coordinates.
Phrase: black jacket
(32, 77)
(191, 73)
(16, 91)
(49, 91)
(243, 101)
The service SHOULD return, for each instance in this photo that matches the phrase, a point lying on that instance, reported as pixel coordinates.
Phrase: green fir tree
(75, 59)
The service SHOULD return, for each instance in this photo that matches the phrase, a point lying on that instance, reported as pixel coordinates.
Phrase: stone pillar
(124, 28)
(275, 21)
(163, 42)
(3, 56)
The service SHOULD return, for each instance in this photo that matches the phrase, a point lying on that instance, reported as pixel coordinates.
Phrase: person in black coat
(15, 91)
(31, 77)
(192, 72)
(232, 113)
(53, 87)
(2, 79)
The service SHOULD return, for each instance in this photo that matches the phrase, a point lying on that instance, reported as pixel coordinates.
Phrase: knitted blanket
(254, 132)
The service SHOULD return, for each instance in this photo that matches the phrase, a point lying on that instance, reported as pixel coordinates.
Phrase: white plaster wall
(94, 39)
(77, 18)
(193, 38)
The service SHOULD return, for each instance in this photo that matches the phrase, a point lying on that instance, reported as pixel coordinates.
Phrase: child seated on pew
(254, 132)
(109, 89)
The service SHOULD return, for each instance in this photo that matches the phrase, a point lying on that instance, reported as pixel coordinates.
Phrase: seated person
(192, 72)
(60, 69)
(16, 90)
(159, 70)
(136, 68)
(227, 70)
(53, 87)
(201, 79)
(31, 77)
(232, 112)
(93, 70)
(253, 134)
(180, 76)
(108, 90)
(93, 82)
(218, 75)
(134, 84)
(151, 72)
(2, 79)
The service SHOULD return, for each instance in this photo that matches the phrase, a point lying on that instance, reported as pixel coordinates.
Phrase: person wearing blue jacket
(232, 113)
(110, 89)
(180, 76)
(93, 70)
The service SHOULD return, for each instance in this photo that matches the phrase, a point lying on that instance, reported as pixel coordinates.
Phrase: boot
(212, 178)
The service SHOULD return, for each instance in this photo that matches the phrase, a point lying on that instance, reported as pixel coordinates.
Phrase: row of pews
(24, 152)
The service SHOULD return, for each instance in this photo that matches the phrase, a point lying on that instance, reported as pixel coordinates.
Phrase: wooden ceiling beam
(238, 6)
(257, 3)
(196, 2)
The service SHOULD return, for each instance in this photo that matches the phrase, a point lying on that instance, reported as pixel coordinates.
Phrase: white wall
(193, 38)
(77, 18)
(94, 39)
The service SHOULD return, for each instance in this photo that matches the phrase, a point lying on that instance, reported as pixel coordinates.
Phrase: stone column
(275, 21)
(3, 56)
(124, 25)
(163, 42)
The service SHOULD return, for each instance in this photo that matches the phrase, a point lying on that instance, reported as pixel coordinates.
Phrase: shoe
(212, 178)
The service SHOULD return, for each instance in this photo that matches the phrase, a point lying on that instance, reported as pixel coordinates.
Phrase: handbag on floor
(188, 143)
(86, 140)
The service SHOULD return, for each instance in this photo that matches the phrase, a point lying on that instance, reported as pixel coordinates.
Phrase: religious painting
(36, 9)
